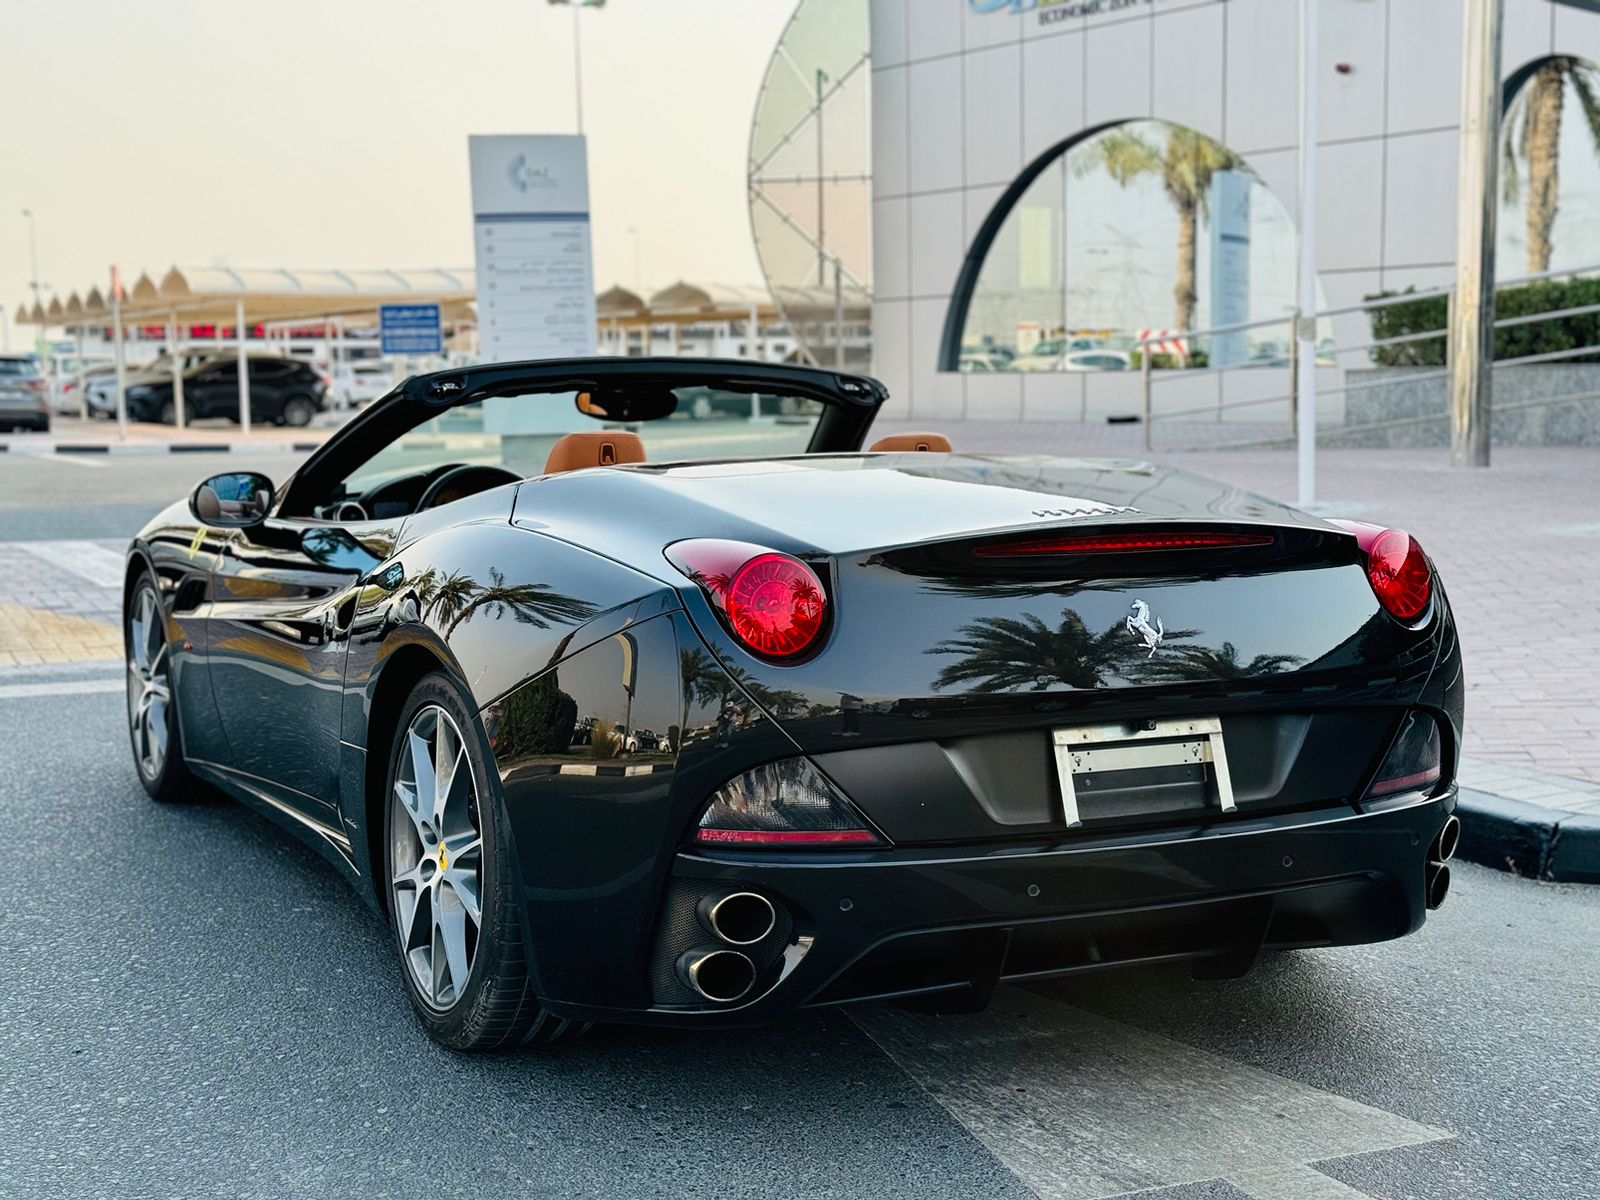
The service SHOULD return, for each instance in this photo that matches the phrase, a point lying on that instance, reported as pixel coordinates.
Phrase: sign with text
(411, 329)
(530, 216)
(1054, 12)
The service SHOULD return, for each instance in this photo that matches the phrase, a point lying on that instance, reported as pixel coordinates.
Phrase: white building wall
(946, 78)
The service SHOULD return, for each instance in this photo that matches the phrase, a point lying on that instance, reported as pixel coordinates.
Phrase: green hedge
(1536, 337)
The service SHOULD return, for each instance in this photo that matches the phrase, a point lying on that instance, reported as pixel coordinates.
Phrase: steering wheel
(460, 482)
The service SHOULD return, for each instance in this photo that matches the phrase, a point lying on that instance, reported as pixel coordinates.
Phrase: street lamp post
(1305, 355)
(1471, 335)
(577, 7)
(33, 255)
(822, 221)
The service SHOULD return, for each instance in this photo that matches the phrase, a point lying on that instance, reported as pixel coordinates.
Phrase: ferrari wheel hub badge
(444, 858)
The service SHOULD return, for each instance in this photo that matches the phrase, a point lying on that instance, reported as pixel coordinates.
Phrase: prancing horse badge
(1139, 626)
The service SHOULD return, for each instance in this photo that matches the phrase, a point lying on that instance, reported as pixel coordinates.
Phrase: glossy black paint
(615, 702)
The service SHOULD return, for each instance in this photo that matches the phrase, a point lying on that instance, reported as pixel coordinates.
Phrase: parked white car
(362, 382)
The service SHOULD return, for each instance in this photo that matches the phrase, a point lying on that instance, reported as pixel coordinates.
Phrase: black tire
(168, 413)
(298, 411)
(169, 779)
(497, 1009)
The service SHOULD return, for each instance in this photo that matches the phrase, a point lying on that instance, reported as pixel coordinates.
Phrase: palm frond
(1586, 83)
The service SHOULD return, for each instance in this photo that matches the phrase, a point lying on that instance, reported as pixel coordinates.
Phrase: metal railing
(1152, 377)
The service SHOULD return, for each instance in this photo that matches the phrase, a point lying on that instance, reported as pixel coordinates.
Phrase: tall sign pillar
(535, 271)
(1471, 337)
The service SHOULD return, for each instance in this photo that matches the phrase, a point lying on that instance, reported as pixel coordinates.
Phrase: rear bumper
(953, 922)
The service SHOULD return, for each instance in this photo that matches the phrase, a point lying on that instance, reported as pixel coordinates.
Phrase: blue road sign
(411, 329)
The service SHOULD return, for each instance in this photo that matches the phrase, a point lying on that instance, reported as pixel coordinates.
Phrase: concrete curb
(1527, 839)
(149, 449)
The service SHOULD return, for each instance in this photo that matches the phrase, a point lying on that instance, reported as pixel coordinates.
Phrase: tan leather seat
(610, 448)
(936, 443)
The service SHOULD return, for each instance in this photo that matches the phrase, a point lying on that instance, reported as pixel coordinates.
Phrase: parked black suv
(283, 391)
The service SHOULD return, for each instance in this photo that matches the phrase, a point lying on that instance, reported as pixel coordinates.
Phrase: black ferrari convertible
(617, 715)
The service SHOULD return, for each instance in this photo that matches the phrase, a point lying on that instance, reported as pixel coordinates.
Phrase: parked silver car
(24, 394)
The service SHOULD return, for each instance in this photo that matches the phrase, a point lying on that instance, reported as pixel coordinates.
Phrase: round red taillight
(1400, 574)
(774, 604)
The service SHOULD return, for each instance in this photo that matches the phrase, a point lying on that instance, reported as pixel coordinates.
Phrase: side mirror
(237, 500)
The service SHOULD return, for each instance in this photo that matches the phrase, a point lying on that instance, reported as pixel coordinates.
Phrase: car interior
(642, 422)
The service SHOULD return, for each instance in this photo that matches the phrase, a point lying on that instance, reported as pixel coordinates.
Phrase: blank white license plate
(1095, 749)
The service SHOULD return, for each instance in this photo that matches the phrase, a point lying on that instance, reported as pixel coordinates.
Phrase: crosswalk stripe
(68, 687)
(89, 561)
(1080, 1107)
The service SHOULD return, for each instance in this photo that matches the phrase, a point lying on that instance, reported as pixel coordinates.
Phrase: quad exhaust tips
(1448, 841)
(1436, 884)
(738, 918)
(1436, 876)
(721, 976)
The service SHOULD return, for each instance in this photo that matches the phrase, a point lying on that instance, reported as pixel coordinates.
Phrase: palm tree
(528, 603)
(1533, 136)
(1000, 654)
(1185, 166)
(1203, 662)
(446, 598)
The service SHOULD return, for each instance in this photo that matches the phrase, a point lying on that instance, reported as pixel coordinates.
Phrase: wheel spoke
(138, 641)
(407, 795)
(447, 749)
(406, 903)
(453, 933)
(155, 633)
(423, 773)
(436, 955)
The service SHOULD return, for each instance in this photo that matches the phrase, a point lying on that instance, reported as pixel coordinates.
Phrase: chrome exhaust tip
(1448, 841)
(738, 918)
(1436, 884)
(721, 976)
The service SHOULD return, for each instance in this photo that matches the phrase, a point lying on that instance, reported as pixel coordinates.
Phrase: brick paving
(60, 602)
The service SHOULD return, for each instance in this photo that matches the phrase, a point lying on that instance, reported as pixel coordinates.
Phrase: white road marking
(82, 460)
(70, 687)
(89, 561)
(1084, 1108)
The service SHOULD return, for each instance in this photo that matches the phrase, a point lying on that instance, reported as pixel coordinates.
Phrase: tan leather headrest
(935, 442)
(608, 449)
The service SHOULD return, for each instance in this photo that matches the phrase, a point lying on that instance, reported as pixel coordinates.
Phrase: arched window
(1131, 229)
(1550, 168)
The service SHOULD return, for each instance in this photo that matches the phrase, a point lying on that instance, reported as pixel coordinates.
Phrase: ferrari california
(617, 715)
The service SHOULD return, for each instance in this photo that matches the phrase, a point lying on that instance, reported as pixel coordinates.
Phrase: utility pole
(1306, 316)
(1471, 336)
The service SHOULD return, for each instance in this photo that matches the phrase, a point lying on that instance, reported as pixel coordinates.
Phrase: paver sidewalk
(60, 601)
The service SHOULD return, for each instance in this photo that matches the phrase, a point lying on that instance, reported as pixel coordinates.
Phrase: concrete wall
(963, 100)
(1547, 404)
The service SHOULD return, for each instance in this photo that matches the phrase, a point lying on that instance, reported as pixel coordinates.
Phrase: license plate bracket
(1089, 749)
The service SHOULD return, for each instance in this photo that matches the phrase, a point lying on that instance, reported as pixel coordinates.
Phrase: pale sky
(334, 133)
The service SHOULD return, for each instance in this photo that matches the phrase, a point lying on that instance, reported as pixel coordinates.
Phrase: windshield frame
(849, 404)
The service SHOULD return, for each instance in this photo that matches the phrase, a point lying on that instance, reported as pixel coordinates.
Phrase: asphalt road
(196, 1005)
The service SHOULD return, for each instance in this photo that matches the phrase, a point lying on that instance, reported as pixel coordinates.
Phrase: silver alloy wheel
(436, 857)
(149, 682)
